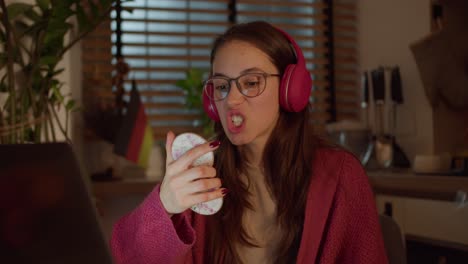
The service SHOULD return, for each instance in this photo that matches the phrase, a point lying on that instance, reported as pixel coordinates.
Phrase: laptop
(46, 212)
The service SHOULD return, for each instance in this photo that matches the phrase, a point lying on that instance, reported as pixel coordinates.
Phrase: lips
(235, 121)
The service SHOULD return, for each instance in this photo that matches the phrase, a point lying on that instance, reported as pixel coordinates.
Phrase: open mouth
(237, 120)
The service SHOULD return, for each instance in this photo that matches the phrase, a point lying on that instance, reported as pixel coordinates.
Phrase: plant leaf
(16, 9)
(56, 93)
(49, 60)
(94, 10)
(128, 9)
(26, 103)
(61, 10)
(34, 28)
(54, 37)
(33, 15)
(181, 83)
(106, 3)
(20, 28)
(77, 109)
(83, 22)
(70, 105)
(3, 88)
(43, 4)
(3, 60)
(57, 72)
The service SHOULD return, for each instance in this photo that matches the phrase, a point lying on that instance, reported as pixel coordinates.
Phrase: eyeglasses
(249, 84)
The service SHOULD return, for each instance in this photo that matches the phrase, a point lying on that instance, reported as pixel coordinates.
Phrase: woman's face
(247, 121)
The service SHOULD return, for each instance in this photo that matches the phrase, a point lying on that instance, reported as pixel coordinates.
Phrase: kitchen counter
(389, 182)
(110, 189)
(428, 216)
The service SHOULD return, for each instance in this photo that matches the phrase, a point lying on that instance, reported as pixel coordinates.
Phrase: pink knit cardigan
(341, 222)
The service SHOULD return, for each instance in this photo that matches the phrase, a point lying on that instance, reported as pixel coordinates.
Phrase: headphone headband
(296, 49)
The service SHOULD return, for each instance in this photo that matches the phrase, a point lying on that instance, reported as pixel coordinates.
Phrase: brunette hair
(287, 162)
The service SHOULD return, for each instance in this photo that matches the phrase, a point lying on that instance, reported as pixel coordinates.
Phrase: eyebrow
(253, 69)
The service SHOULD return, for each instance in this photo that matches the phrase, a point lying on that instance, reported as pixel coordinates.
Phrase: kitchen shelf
(407, 184)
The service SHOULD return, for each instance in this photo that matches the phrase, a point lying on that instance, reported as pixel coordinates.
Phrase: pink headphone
(294, 88)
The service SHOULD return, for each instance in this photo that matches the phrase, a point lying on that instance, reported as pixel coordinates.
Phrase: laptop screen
(46, 214)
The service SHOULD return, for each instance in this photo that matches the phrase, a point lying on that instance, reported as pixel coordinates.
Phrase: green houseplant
(193, 88)
(33, 39)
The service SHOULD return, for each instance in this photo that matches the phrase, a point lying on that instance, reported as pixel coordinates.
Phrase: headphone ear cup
(295, 88)
(208, 104)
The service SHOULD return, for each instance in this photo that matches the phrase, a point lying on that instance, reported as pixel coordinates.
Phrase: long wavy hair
(287, 162)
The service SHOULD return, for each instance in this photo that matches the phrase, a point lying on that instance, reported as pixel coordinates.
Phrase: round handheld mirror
(184, 142)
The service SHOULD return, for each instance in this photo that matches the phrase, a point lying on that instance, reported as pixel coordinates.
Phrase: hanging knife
(396, 94)
(378, 85)
(400, 159)
(365, 157)
(365, 97)
(383, 144)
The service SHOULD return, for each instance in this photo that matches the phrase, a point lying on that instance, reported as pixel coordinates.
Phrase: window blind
(96, 57)
(345, 62)
(162, 39)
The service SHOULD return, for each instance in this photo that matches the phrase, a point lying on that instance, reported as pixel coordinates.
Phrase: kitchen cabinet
(434, 225)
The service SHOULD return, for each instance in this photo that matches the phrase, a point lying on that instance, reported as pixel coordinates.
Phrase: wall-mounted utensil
(365, 97)
(399, 157)
(383, 143)
(396, 95)
(365, 107)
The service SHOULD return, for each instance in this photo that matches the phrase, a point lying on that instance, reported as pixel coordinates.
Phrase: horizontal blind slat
(173, 117)
(97, 56)
(318, 16)
(160, 132)
(316, 4)
(168, 57)
(181, 10)
(350, 6)
(347, 116)
(168, 45)
(179, 22)
(163, 33)
(165, 69)
(164, 106)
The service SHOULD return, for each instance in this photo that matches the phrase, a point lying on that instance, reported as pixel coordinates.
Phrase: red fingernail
(224, 191)
(215, 143)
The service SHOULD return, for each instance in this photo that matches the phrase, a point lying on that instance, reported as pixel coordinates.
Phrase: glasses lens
(217, 88)
(252, 84)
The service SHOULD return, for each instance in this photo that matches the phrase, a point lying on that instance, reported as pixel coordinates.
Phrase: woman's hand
(183, 185)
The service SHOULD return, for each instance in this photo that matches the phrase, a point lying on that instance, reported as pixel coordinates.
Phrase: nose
(234, 97)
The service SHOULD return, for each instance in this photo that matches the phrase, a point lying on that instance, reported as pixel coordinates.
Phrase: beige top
(260, 223)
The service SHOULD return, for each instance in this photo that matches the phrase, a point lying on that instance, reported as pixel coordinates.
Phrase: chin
(238, 139)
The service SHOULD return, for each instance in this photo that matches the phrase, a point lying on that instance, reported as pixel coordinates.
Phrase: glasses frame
(238, 85)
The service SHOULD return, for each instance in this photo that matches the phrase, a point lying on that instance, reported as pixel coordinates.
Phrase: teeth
(237, 120)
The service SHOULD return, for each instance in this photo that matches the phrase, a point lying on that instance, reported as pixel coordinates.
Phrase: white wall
(72, 78)
(386, 29)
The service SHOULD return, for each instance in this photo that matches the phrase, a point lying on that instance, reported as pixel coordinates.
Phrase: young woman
(288, 197)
